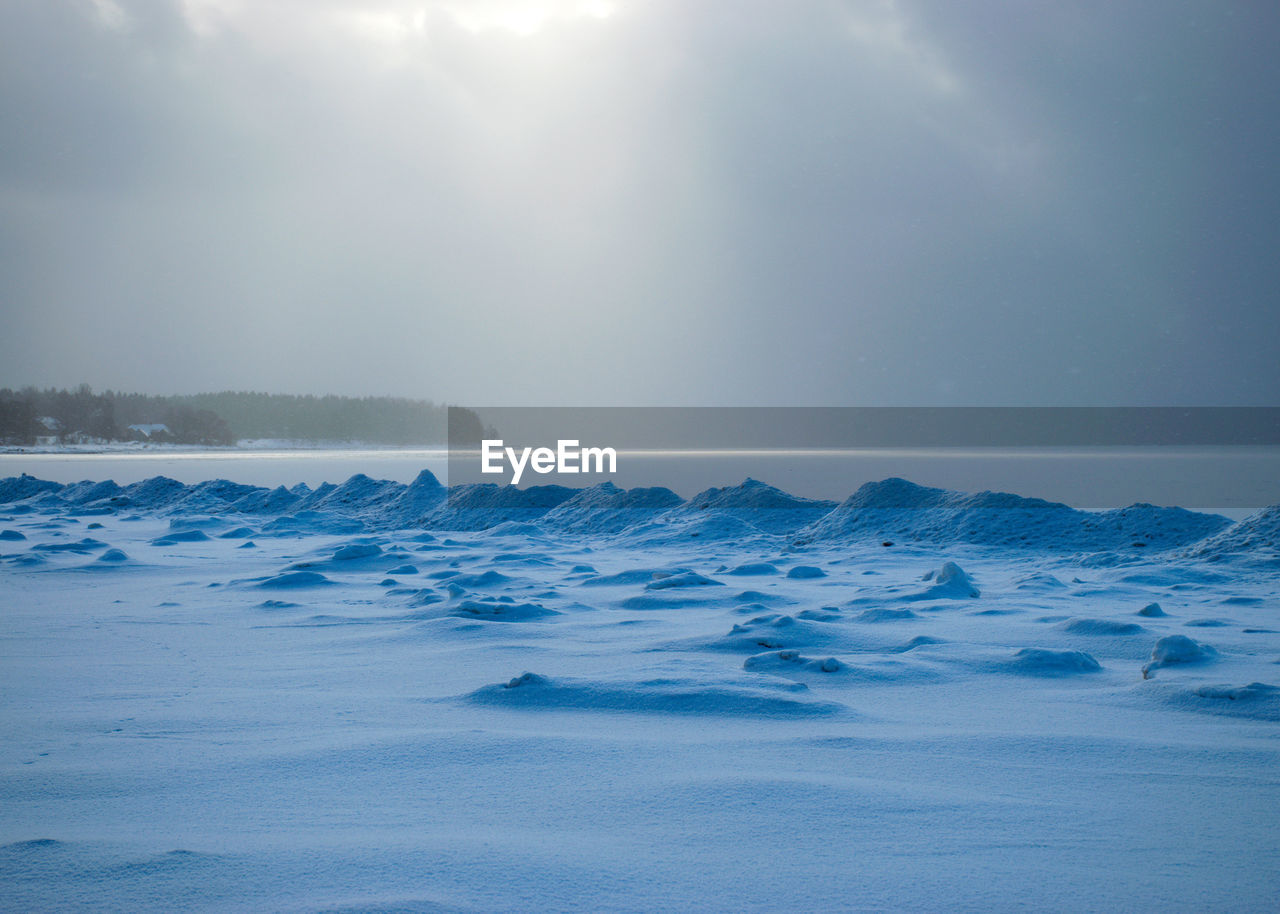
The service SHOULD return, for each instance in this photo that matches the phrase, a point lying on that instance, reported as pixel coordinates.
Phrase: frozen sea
(225, 696)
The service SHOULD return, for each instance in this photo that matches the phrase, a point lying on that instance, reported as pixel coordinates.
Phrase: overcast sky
(656, 202)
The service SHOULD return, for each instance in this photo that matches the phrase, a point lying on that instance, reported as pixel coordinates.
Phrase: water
(1232, 480)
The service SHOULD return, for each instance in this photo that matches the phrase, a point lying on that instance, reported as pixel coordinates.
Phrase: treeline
(81, 415)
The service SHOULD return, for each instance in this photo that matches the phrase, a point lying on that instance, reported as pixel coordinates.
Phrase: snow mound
(414, 503)
(759, 596)
(950, 582)
(888, 511)
(753, 569)
(762, 506)
(380, 503)
(291, 580)
(86, 492)
(479, 506)
(1254, 691)
(33, 844)
(268, 501)
(1147, 526)
(357, 496)
(606, 509)
(805, 573)
(308, 522)
(484, 580)
(917, 641)
(1152, 611)
(632, 576)
(1038, 580)
(686, 579)
(1038, 661)
(212, 496)
(1176, 650)
(81, 547)
(668, 599)
(1173, 576)
(789, 662)
(496, 611)
(181, 536)
(673, 529)
(150, 494)
(1254, 701)
(523, 559)
(885, 615)
(1260, 530)
(19, 488)
(1101, 627)
(897, 510)
(779, 632)
(681, 696)
(277, 604)
(196, 522)
(357, 551)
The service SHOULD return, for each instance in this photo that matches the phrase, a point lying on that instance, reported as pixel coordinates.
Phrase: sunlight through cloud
(526, 17)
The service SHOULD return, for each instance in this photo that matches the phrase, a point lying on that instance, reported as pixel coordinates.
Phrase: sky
(644, 202)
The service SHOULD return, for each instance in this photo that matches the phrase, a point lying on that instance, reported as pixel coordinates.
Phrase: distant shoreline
(245, 445)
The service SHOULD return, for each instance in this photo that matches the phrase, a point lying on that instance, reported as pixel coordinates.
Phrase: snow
(898, 510)
(1177, 649)
(406, 698)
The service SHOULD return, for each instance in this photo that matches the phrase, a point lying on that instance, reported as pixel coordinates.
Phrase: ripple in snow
(885, 615)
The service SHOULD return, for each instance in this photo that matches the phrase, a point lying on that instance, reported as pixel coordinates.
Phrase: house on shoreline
(153, 431)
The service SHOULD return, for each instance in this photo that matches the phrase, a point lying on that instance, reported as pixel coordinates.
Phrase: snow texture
(377, 696)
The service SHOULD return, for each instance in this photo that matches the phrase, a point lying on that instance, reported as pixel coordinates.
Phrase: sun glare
(526, 17)
(389, 20)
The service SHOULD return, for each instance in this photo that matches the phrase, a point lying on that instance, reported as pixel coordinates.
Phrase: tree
(18, 423)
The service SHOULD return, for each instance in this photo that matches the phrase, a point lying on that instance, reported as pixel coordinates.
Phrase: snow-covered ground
(374, 697)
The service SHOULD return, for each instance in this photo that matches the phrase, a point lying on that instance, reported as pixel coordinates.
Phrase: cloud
(830, 201)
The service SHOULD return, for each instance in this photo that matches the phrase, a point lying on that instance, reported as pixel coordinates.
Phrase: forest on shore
(31, 416)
